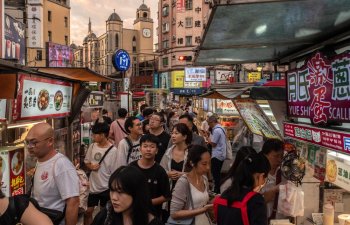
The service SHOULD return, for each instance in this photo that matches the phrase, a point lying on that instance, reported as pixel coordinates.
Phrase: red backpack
(239, 205)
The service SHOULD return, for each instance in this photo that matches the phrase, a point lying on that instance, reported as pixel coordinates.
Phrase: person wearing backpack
(129, 147)
(241, 203)
(100, 159)
(217, 140)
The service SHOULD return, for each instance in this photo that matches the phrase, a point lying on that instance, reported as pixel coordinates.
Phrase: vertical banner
(2, 42)
(155, 80)
(14, 39)
(35, 26)
(180, 6)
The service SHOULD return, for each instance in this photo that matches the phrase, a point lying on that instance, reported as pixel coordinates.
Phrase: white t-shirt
(52, 192)
(99, 179)
(123, 149)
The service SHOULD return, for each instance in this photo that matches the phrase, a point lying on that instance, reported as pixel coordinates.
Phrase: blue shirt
(219, 138)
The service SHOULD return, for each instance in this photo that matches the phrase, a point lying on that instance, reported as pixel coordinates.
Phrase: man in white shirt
(100, 159)
(56, 183)
(129, 147)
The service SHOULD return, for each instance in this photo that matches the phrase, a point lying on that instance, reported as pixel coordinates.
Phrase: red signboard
(41, 98)
(335, 140)
(320, 90)
(17, 179)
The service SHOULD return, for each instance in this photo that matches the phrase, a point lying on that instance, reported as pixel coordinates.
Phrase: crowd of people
(152, 168)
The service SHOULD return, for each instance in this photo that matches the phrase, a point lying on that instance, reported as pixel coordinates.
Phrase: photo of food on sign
(17, 163)
(58, 100)
(331, 170)
(43, 99)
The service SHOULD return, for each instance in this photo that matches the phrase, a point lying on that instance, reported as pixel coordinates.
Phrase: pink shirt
(116, 133)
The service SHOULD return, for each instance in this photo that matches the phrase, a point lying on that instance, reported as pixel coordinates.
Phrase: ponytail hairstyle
(243, 177)
(195, 153)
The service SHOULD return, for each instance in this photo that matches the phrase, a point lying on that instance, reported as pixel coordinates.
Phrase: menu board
(255, 119)
(41, 98)
(95, 100)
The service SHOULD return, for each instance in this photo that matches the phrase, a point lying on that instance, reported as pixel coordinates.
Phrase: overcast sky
(99, 11)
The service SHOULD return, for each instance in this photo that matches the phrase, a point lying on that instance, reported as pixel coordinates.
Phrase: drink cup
(13, 49)
(8, 48)
(18, 51)
(342, 218)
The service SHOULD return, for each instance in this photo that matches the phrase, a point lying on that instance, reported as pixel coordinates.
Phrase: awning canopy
(78, 74)
(271, 30)
(225, 93)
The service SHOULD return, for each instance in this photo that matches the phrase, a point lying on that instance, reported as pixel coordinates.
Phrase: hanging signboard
(254, 76)
(337, 172)
(225, 107)
(164, 80)
(320, 90)
(194, 74)
(255, 119)
(335, 140)
(155, 80)
(177, 79)
(224, 76)
(41, 98)
(95, 100)
(14, 39)
(121, 60)
(35, 15)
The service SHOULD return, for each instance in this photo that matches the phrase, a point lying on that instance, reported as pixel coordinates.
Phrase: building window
(116, 41)
(165, 61)
(66, 21)
(39, 55)
(180, 41)
(166, 44)
(165, 27)
(66, 40)
(50, 35)
(165, 10)
(189, 4)
(134, 44)
(188, 41)
(49, 16)
(188, 22)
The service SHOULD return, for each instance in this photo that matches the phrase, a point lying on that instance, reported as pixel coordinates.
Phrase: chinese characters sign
(35, 26)
(321, 89)
(224, 77)
(194, 74)
(337, 172)
(255, 119)
(254, 76)
(225, 107)
(41, 98)
(327, 138)
(177, 79)
(12, 166)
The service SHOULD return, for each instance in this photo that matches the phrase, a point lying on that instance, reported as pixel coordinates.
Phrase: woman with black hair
(241, 203)
(191, 193)
(175, 158)
(19, 210)
(242, 153)
(130, 200)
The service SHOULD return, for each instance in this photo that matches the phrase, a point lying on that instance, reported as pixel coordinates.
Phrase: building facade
(97, 51)
(180, 28)
(48, 22)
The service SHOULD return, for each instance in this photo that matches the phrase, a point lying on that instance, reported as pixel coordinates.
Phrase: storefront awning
(78, 74)
(271, 30)
(225, 93)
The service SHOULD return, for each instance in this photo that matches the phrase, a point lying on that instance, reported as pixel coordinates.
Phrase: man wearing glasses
(56, 183)
(156, 127)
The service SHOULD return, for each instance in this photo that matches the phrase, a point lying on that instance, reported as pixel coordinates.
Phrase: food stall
(29, 97)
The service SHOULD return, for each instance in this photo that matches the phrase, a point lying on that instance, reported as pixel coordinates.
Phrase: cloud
(99, 11)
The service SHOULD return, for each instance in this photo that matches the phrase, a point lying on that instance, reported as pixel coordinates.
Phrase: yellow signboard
(177, 79)
(254, 76)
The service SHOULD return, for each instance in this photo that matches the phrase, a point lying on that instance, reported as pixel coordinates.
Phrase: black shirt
(162, 146)
(21, 203)
(178, 167)
(158, 183)
(256, 208)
